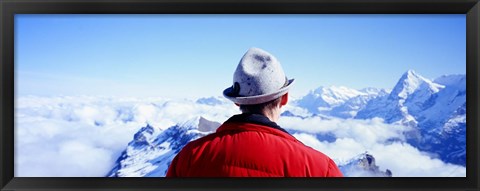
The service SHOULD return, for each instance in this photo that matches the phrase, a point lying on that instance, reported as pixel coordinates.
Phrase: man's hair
(260, 108)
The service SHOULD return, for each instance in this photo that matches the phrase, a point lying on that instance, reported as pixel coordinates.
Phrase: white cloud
(358, 136)
(368, 132)
(405, 160)
(83, 136)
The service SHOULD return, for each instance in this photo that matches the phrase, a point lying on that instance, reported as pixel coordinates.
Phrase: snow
(410, 82)
(325, 100)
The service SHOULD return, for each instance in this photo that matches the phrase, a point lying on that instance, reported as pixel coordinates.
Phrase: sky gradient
(195, 55)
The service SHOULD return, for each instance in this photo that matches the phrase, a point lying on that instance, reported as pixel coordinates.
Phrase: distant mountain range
(340, 102)
(435, 110)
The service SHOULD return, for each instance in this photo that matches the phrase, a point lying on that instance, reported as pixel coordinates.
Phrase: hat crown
(259, 78)
(258, 73)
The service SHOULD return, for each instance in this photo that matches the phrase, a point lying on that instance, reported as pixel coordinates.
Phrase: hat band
(236, 88)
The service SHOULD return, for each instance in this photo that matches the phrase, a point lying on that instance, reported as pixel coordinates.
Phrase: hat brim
(250, 100)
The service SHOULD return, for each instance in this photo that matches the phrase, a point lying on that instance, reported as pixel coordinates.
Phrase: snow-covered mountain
(448, 141)
(417, 101)
(340, 101)
(152, 150)
(434, 110)
(431, 108)
(351, 107)
(327, 97)
(405, 101)
(363, 166)
(443, 106)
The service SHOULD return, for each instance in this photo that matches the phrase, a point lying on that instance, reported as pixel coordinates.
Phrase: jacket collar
(255, 119)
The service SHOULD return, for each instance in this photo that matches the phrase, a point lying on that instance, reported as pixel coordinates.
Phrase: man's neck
(273, 115)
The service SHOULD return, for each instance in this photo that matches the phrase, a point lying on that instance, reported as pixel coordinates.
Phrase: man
(251, 144)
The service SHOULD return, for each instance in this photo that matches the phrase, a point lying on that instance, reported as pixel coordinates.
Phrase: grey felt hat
(259, 78)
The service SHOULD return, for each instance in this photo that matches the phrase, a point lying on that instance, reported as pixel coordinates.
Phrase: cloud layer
(83, 136)
(383, 141)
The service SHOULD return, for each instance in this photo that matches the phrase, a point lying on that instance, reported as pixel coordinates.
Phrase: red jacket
(250, 146)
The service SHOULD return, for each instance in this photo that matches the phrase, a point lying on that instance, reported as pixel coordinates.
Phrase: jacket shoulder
(248, 149)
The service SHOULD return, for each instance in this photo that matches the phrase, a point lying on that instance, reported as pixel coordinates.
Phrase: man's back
(250, 146)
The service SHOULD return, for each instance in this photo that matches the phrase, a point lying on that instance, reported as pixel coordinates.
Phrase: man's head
(259, 83)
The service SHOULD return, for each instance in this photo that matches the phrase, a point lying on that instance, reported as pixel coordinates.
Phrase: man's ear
(284, 100)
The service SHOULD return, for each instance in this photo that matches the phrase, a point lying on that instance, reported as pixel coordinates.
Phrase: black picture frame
(11, 7)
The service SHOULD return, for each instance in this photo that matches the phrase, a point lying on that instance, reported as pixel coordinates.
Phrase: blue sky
(195, 55)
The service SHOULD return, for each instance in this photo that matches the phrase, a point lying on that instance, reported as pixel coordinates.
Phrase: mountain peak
(411, 82)
(412, 75)
(363, 165)
(410, 72)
